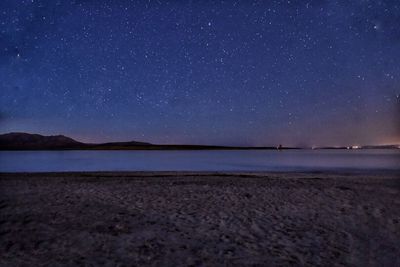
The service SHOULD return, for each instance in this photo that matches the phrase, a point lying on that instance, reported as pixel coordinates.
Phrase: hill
(26, 141)
(18, 141)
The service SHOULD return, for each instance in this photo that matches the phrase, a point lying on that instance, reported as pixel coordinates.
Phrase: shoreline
(328, 173)
(200, 218)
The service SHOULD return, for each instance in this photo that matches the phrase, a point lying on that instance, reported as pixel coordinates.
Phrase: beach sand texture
(199, 219)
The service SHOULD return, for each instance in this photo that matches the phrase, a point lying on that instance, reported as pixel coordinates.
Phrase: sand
(199, 219)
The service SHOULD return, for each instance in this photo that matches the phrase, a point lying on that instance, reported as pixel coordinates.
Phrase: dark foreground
(183, 219)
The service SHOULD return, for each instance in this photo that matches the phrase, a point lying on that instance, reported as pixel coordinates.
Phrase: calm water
(225, 160)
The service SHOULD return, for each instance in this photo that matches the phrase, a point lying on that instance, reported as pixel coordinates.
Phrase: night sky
(199, 72)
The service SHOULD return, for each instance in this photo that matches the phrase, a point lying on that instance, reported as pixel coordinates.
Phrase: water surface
(214, 160)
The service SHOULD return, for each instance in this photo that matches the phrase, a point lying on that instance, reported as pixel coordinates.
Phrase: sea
(369, 160)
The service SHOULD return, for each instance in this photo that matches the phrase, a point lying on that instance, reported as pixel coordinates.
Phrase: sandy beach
(199, 219)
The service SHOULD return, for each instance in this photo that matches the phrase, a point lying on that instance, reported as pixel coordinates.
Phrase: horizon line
(281, 145)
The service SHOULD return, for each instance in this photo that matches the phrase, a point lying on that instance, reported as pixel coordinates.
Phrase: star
(205, 72)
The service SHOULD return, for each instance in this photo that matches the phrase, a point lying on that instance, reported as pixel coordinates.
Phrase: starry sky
(202, 72)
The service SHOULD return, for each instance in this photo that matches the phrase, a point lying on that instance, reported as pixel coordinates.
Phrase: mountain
(123, 144)
(26, 141)
(18, 141)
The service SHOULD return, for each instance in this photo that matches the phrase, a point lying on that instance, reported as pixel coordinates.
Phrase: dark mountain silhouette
(123, 144)
(26, 141)
(36, 141)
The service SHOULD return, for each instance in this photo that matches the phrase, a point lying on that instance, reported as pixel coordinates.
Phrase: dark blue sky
(221, 72)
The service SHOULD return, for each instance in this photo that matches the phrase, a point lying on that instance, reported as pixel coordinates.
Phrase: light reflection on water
(206, 160)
